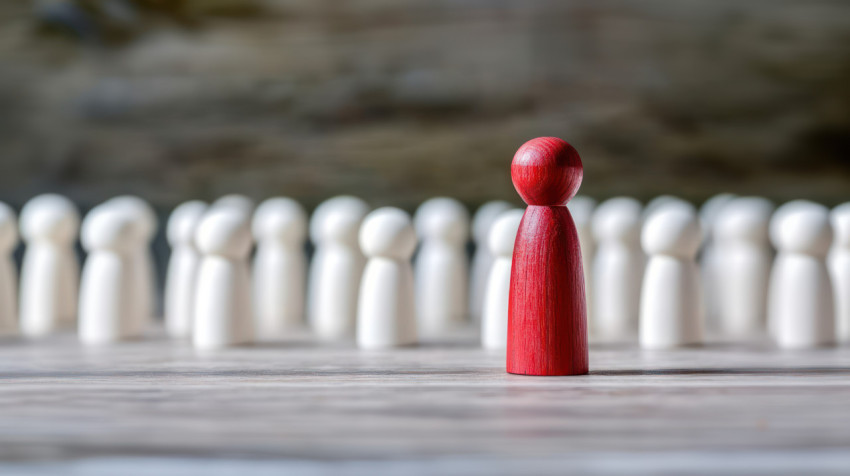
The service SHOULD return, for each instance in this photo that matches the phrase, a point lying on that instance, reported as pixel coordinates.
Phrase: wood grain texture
(547, 317)
(441, 408)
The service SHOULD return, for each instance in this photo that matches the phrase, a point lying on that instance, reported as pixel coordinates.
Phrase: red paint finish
(547, 317)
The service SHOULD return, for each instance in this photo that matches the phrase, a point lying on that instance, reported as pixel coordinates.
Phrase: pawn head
(672, 231)
(435, 214)
(710, 209)
(443, 219)
(138, 210)
(8, 228)
(341, 227)
(801, 227)
(388, 233)
(50, 217)
(280, 219)
(546, 171)
(743, 219)
(109, 229)
(224, 232)
(184, 221)
(503, 233)
(344, 204)
(617, 219)
(236, 201)
(662, 201)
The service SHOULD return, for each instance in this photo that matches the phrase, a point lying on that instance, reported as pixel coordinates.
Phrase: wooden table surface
(156, 406)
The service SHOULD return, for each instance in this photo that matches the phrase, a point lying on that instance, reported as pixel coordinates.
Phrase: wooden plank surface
(447, 408)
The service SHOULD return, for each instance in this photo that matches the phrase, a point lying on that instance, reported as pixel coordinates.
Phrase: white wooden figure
(617, 269)
(839, 269)
(671, 312)
(143, 263)
(482, 260)
(337, 273)
(494, 322)
(386, 312)
(8, 273)
(743, 257)
(182, 273)
(800, 306)
(344, 204)
(108, 283)
(280, 268)
(50, 272)
(441, 267)
(773, 231)
(223, 314)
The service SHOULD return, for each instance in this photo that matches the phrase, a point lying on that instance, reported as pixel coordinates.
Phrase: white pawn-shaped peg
(581, 208)
(8, 276)
(442, 225)
(482, 260)
(49, 273)
(839, 269)
(108, 283)
(181, 277)
(386, 312)
(143, 264)
(617, 269)
(742, 266)
(494, 322)
(223, 315)
(671, 312)
(800, 305)
(346, 258)
(337, 268)
(777, 218)
(280, 228)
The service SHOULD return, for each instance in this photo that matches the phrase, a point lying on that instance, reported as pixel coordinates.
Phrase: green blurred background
(401, 100)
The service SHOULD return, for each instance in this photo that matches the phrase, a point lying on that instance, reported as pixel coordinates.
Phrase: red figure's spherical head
(546, 171)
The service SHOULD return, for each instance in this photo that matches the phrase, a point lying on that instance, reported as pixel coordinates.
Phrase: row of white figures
(209, 254)
(658, 302)
(117, 295)
(802, 301)
(335, 295)
(378, 310)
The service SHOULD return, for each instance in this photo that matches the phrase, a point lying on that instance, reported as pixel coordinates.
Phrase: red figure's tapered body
(547, 319)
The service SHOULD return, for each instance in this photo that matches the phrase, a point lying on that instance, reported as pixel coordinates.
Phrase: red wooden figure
(547, 319)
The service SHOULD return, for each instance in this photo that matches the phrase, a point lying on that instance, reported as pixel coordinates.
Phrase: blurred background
(401, 100)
